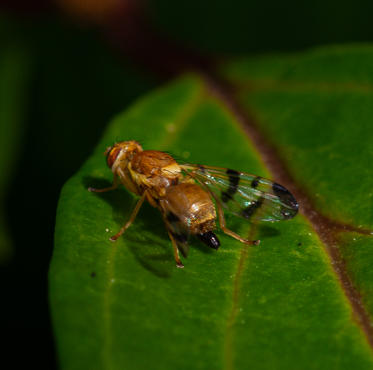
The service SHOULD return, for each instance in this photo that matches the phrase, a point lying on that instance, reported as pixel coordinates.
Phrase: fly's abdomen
(189, 204)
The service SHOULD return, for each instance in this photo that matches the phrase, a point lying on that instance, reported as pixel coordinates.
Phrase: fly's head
(121, 153)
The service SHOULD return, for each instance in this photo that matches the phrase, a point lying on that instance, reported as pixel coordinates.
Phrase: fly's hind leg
(103, 190)
(132, 218)
(176, 251)
(222, 218)
(230, 232)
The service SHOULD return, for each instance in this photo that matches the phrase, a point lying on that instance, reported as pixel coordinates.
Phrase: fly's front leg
(112, 187)
(132, 218)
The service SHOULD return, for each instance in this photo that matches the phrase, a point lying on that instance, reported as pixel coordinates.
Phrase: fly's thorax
(155, 171)
(191, 205)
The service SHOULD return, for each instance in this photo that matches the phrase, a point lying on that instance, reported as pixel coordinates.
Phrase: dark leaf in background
(239, 26)
(76, 85)
(15, 66)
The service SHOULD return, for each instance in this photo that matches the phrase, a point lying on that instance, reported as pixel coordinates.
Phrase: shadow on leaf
(147, 237)
(265, 231)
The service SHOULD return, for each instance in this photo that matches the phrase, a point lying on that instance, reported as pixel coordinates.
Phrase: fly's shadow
(254, 230)
(146, 238)
(266, 231)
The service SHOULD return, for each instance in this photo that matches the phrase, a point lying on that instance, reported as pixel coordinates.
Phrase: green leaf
(279, 305)
(319, 108)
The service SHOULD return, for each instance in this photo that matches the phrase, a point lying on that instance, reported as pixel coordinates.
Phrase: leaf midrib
(326, 232)
(273, 164)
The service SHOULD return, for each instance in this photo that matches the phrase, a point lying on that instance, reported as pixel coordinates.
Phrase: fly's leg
(230, 232)
(112, 187)
(222, 218)
(132, 218)
(176, 251)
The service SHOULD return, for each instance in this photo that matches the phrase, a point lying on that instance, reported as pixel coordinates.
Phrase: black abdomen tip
(210, 239)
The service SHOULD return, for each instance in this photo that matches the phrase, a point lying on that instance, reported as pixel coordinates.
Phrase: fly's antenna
(108, 150)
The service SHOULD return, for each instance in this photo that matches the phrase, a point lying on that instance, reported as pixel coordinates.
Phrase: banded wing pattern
(244, 195)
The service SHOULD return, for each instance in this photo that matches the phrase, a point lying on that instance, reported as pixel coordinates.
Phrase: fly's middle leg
(132, 218)
(176, 251)
(230, 232)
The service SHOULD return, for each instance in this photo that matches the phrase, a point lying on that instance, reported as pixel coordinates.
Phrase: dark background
(88, 60)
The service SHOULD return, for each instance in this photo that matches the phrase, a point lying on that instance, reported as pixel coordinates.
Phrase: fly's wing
(179, 232)
(244, 195)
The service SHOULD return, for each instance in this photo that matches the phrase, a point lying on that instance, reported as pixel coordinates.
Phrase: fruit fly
(191, 196)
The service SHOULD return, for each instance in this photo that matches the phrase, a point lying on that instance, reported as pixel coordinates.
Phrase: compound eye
(111, 155)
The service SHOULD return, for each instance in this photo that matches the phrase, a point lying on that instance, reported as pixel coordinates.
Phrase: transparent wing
(244, 195)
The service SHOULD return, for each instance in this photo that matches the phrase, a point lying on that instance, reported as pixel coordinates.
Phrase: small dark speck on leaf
(299, 244)
(93, 274)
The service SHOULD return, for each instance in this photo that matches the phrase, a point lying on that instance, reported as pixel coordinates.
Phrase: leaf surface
(319, 108)
(125, 304)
